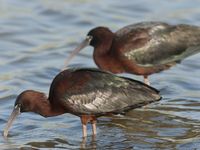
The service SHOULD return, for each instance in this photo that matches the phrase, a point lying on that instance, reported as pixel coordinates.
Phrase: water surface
(35, 38)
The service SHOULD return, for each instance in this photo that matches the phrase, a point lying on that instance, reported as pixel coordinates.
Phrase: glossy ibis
(143, 48)
(87, 93)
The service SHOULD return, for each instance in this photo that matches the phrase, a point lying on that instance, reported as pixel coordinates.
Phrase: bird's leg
(94, 128)
(84, 120)
(146, 80)
(84, 128)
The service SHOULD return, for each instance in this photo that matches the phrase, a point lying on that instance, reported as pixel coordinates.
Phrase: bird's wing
(105, 92)
(148, 26)
(180, 56)
(158, 43)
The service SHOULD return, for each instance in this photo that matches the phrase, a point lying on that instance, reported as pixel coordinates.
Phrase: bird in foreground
(87, 93)
(143, 48)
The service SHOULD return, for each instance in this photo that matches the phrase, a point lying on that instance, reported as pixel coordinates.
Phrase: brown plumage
(143, 48)
(87, 93)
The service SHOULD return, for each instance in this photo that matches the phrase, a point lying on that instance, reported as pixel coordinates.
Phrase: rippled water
(36, 37)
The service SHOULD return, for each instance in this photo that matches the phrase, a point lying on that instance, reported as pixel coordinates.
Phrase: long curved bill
(81, 46)
(13, 116)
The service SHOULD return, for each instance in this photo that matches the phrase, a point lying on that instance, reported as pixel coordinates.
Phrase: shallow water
(36, 37)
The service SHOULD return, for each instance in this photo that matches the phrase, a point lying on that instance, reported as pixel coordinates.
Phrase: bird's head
(99, 36)
(27, 101)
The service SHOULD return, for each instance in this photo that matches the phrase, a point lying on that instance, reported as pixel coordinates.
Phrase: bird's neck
(105, 58)
(45, 109)
(104, 45)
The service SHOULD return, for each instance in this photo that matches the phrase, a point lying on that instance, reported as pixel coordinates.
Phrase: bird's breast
(109, 62)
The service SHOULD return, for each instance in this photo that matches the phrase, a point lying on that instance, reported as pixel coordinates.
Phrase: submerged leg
(94, 128)
(146, 80)
(84, 128)
(84, 121)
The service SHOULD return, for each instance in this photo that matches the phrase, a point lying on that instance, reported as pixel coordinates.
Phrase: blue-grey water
(35, 38)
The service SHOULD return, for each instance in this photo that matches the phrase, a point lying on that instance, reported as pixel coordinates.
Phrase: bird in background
(87, 93)
(142, 48)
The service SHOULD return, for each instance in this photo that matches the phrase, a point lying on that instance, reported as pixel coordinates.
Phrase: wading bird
(87, 93)
(143, 48)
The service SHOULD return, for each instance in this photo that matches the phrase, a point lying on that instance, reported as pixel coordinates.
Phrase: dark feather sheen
(98, 92)
(155, 43)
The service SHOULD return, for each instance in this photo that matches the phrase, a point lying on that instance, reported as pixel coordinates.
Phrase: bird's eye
(16, 106)
(89, 38)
